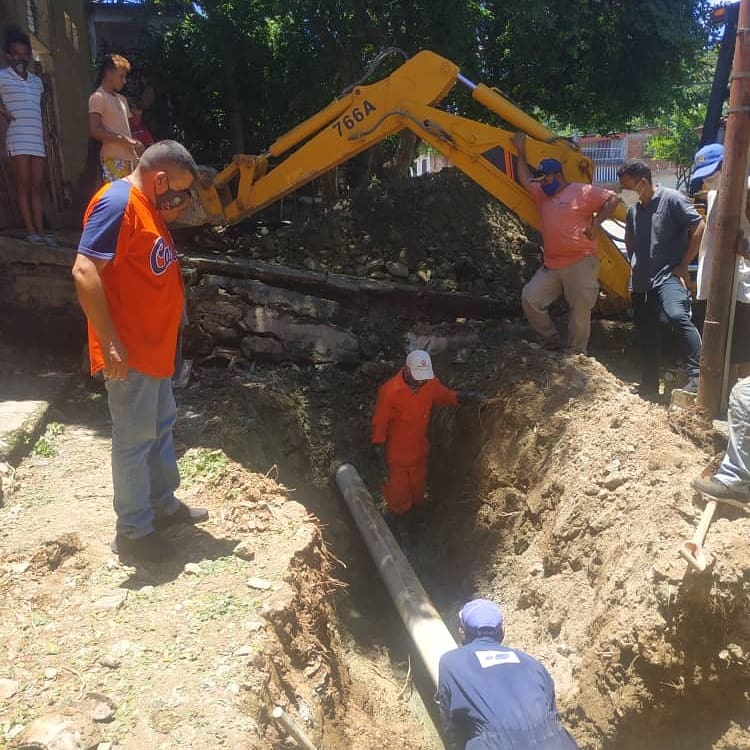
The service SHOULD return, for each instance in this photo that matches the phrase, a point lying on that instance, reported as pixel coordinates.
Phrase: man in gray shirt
(662, 234)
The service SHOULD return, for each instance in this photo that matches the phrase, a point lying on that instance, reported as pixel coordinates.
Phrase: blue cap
(707, 161)
(549, 166)
(479, 614)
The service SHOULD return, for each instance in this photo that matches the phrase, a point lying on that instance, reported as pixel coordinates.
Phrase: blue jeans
(144, 465)
(667, 303)
(735, 468)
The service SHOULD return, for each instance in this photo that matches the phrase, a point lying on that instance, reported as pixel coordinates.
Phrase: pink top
(565, 217)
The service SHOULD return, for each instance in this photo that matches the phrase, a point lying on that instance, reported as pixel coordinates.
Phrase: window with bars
(607, 154)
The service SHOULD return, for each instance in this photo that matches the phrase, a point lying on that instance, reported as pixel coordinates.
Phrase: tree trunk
(336, 286)
(407, 149)
(329, 187)
(234, 116)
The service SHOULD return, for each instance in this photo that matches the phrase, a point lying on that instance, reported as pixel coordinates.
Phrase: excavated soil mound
(567, 500)
(441, 231)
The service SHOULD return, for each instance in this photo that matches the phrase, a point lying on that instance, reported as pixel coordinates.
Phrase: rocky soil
(566, 499)
(440, 231)
(191, 654)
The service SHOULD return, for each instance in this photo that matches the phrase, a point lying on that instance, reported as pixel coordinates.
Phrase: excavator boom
(404, 100)
(370, 113)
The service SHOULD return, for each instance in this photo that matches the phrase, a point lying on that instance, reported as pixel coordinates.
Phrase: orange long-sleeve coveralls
(400, 420)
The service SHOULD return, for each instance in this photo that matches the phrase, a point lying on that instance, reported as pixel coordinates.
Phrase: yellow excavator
(365, 114)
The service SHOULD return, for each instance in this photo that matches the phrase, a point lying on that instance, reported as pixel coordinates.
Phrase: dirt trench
(566, 500)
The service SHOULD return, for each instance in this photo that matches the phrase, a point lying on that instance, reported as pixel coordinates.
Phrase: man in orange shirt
(571, 216)
(399, 429)
(130, 286)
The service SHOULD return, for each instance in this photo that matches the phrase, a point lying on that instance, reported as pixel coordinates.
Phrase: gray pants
(144, 467)
(735, 468)
(580, 285)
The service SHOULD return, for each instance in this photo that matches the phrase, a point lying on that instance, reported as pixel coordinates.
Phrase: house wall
(72, 74)
(428, 163)
(119, 29)
(60, 42)
(609, 152)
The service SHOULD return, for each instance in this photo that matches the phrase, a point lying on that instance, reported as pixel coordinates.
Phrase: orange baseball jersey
(142, 279)
(402, 416)
(564, 218)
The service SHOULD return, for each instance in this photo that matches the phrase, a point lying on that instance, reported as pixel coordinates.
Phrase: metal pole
(427, 630)
(721, 293)
(466, 82)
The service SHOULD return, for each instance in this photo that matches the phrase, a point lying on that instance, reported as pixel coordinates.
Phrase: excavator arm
(404, 100)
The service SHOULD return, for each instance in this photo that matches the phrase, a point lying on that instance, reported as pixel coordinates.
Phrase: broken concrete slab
(25, 401)
(316, 342)
(258, 293)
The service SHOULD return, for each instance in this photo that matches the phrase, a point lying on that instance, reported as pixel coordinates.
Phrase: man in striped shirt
(21, 106)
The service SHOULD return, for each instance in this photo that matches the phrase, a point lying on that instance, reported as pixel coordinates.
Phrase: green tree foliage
(595, 63)
(679, 126)
(209, 70)
(676, 142)
(236, 74)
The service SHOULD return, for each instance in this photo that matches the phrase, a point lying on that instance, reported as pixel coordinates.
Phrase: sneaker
(150, 548)
(183, 514)
(691, 386)
(719, 491)
(50, 239)
(36, 239)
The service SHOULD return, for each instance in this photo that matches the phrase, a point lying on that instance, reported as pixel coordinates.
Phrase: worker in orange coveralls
(399, 434)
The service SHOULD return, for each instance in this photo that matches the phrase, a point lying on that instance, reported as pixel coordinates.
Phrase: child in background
(137, 128)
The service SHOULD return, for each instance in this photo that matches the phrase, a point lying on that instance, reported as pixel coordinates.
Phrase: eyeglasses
(172, 199)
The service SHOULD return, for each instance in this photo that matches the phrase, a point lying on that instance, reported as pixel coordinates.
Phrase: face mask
(634, 191)
(550, 188)
(20, 66)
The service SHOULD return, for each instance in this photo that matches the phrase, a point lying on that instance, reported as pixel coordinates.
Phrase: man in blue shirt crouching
(492, 697)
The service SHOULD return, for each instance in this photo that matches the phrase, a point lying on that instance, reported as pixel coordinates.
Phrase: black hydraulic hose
(386, 53)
